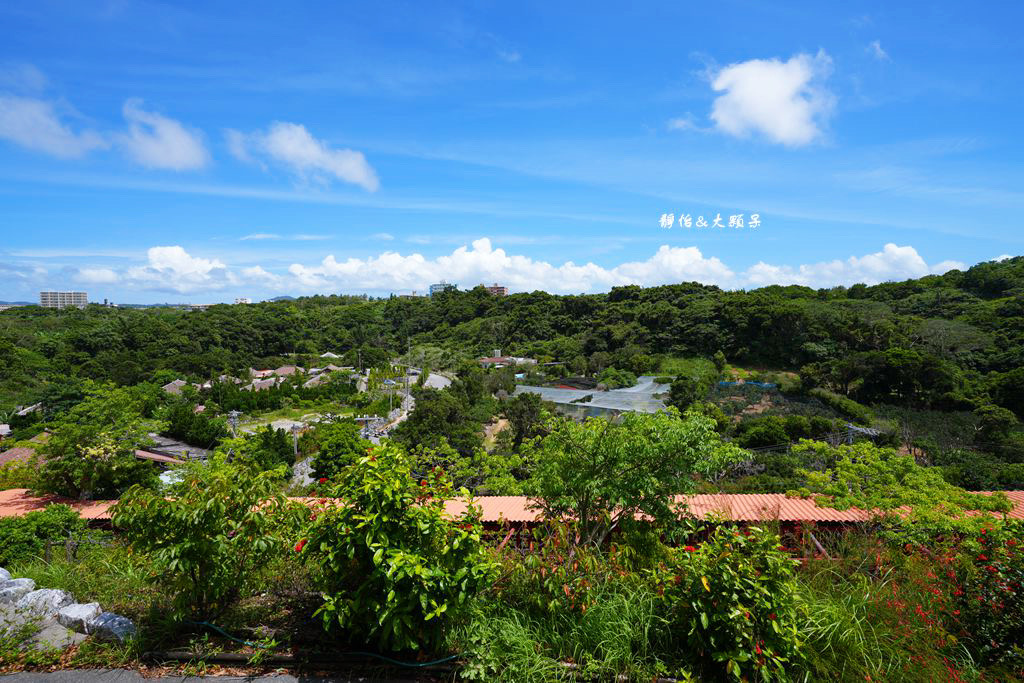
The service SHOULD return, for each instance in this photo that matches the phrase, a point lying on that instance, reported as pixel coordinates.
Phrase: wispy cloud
(156, 141)
(292, 146)
(300, 237)
(874, 49)
(34, 124)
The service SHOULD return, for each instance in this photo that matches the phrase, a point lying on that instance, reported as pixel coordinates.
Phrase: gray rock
(110, 626)
(13, 590)
(45, 602)
(76, 616)
(4, 575)
(53, 635)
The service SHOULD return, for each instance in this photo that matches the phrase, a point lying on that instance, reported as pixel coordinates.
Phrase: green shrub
(216, 527)
(614, 378)
(21, 538)
(846, 406)
(339, 445)
(732, 603)
(396, 567)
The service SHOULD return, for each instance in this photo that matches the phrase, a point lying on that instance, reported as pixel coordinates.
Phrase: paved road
(125, 676)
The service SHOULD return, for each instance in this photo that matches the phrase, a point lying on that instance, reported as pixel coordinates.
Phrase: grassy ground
(296, 412)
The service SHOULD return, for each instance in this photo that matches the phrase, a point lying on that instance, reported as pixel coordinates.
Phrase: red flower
(690, 549)
(323, 480)
(982, 558)
(757, 648)
(772, 616)
(300, 545)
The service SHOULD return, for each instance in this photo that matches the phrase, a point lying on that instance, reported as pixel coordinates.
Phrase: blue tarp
(762, 385)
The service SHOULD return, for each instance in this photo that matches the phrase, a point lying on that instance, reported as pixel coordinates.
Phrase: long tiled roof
(740, 507)
(17, 454)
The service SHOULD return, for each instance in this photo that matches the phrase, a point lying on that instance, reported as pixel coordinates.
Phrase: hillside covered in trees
(946, 342)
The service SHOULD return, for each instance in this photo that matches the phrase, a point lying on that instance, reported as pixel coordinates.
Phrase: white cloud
(874, 48)
(96, 275)
(480, 262)
(945, 266)
(291, 145)
(155, 141)
(173, 269)
(783, 101)
(510, 56)
(34, 124)
(892, 263)
(382, 236)
(1002, 257)
(261, 236)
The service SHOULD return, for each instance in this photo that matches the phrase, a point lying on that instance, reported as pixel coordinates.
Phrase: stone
(53, 635)
(45, 602)
(4, 575)
(110, 626)
(77, 615)
(13, 590)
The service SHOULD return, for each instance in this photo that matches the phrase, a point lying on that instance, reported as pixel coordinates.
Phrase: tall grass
(105, 572)
(850, 634)
(620, 635)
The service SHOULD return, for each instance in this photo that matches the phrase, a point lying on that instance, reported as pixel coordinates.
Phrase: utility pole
(295, 439)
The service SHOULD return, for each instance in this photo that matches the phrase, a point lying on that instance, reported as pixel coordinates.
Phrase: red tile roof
(740, 507)
(18, 502)
(157, 457)
(19, 454)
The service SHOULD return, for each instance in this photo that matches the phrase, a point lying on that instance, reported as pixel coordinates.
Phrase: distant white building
(243, 300)
(441, 286)
(63, 299)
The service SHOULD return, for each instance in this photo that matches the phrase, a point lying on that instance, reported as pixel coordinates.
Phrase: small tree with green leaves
(212, 531)
(600, 472)
(916, 499)
(396, 566)
(339, 446)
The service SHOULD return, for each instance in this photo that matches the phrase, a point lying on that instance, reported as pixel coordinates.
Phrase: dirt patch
(491, 429)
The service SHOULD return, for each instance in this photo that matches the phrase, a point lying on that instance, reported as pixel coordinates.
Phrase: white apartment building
(63, 299)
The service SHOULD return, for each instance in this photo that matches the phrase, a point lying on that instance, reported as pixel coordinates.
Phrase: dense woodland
(937, 363)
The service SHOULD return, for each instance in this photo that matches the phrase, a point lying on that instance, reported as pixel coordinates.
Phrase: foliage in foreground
(25, 537)
(395, 567)
(602, 473)
(213, 530)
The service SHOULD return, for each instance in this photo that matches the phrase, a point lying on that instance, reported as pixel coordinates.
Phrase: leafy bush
(198, 429)
(396, 567)
(24, 537)
(846, 406)
(218, 525)
(732, 602)
(989, 594)
(339, 446)
(616, 379)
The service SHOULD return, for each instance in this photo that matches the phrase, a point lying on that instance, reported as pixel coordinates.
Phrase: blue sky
(158, 152)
